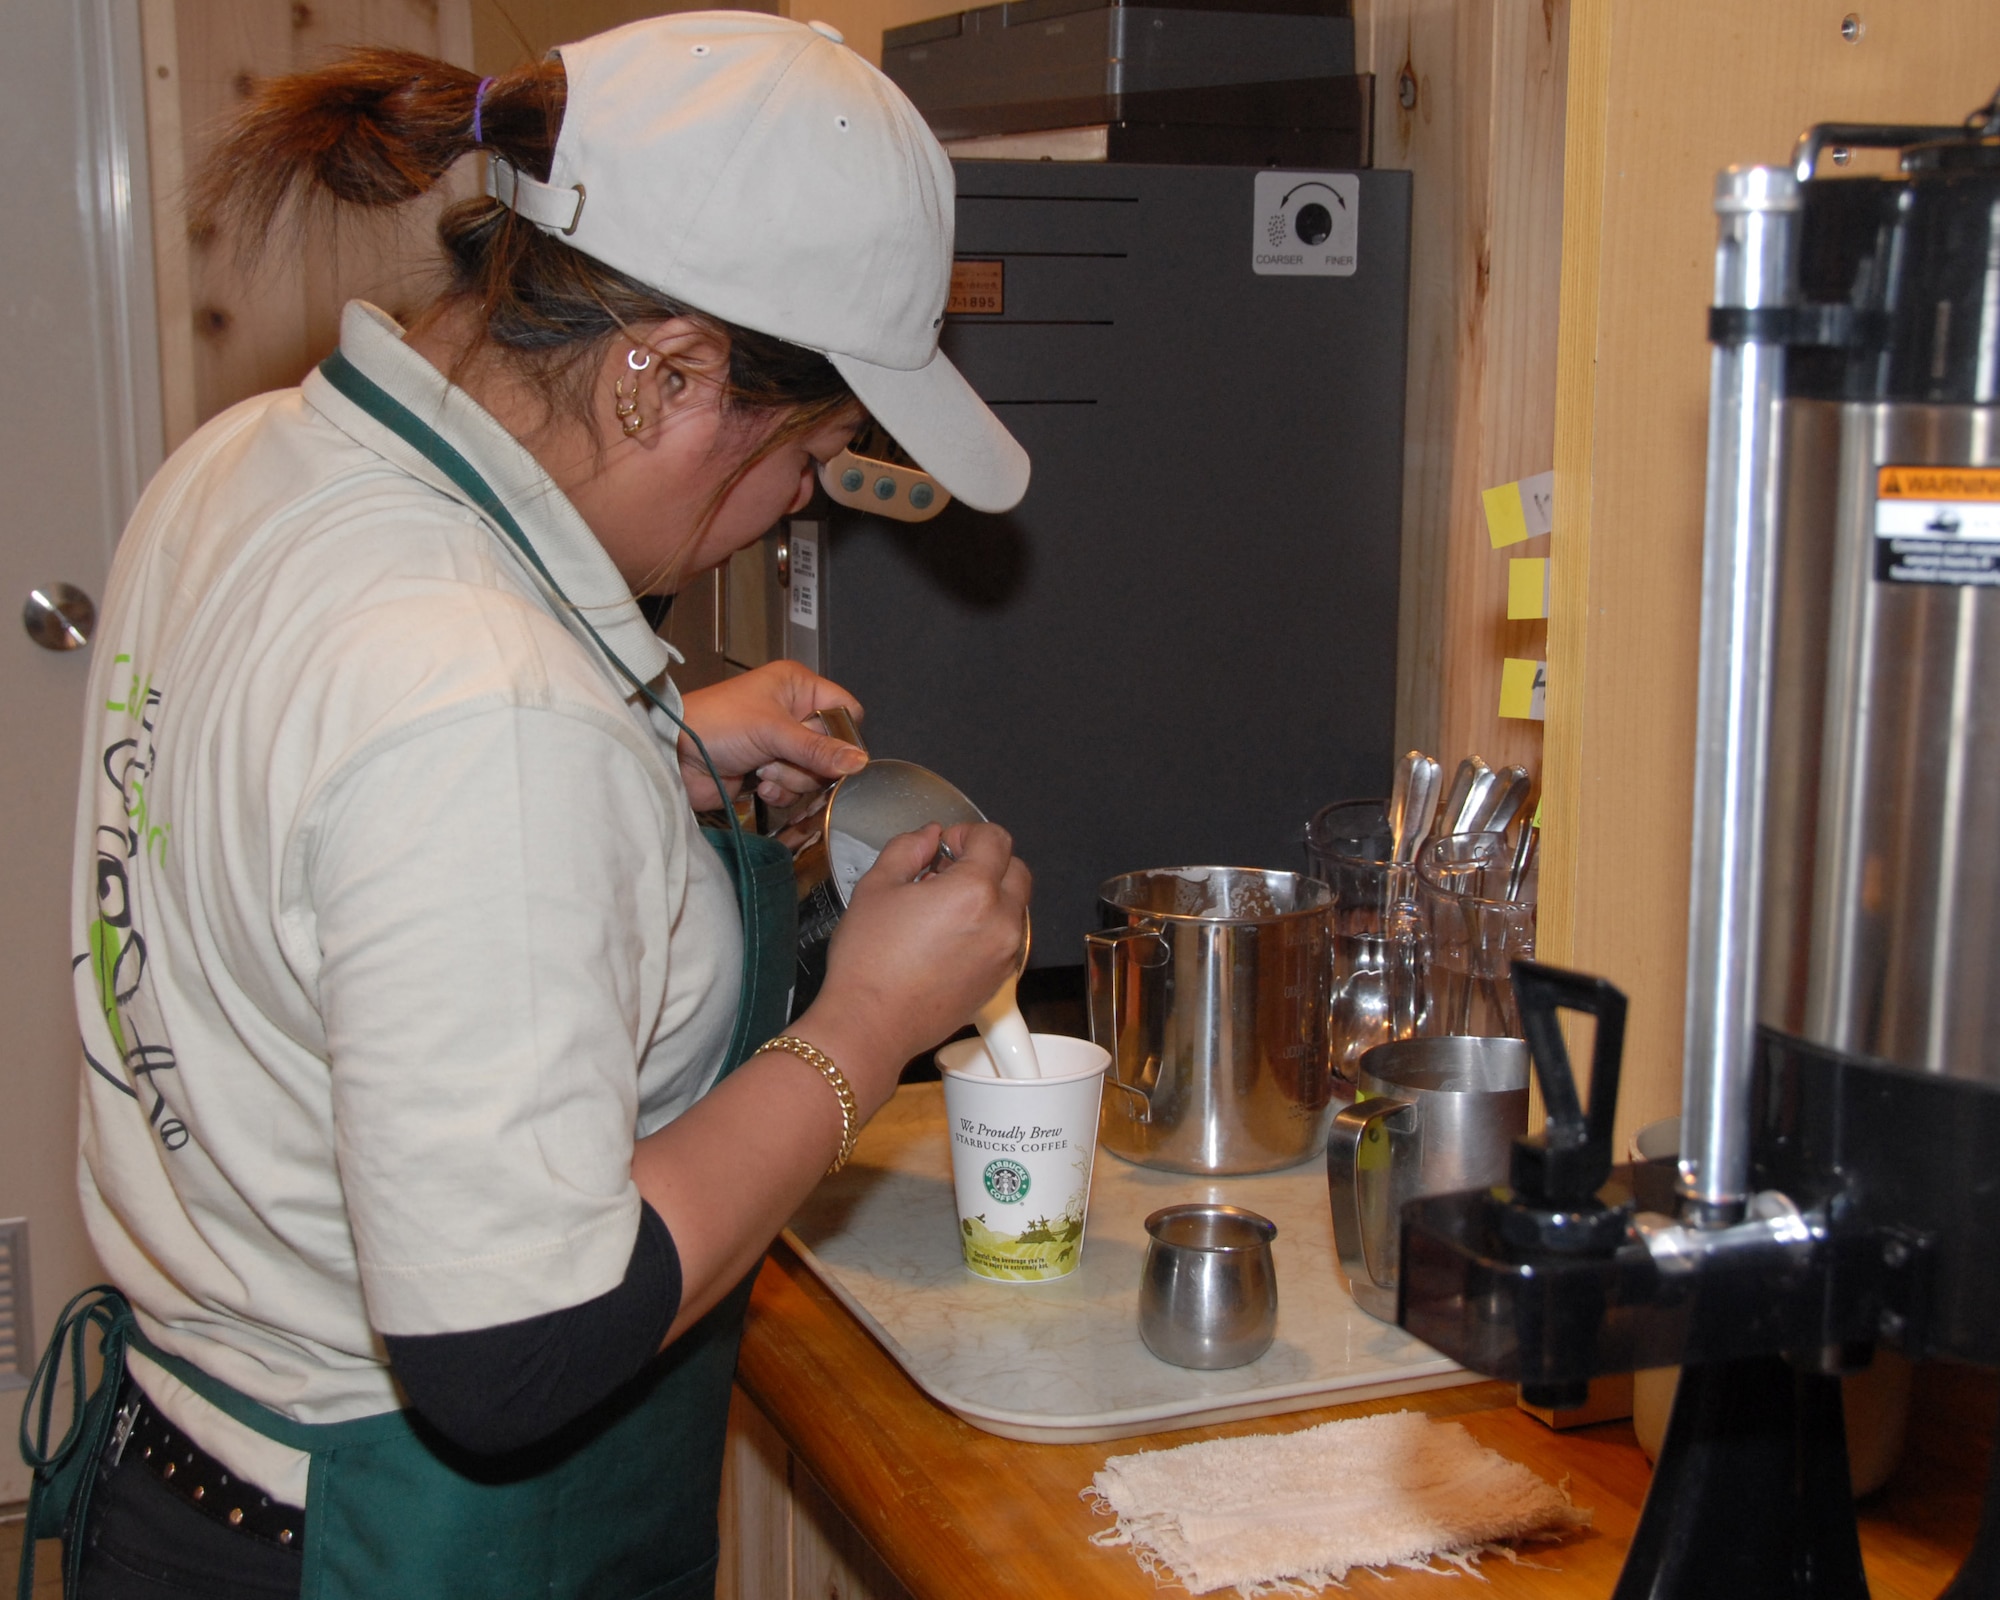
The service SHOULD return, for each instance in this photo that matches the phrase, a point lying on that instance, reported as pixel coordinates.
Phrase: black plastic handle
(1563, 1166)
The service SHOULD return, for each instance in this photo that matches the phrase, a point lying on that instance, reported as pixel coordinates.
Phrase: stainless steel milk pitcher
(1208, 985)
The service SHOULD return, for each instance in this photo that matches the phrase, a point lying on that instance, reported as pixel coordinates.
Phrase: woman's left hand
(754, 723)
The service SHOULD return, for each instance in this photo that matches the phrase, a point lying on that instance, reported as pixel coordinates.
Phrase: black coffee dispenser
(1838, 1185)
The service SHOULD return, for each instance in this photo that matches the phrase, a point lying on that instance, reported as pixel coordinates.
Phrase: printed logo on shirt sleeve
(131, 839)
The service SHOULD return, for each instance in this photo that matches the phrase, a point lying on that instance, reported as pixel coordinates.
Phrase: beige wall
(1660, 98)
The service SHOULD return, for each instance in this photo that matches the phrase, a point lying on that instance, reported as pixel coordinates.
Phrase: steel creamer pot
(1208, 985)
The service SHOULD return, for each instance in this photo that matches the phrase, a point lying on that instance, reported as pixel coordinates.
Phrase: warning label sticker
(1938, 525)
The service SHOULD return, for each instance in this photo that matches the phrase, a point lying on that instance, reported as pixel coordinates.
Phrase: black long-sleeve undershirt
(494, 1390)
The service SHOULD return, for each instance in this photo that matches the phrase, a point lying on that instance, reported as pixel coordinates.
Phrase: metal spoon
(1412, 802)
(1399, 801)
(1460, 791)
(1484, 784)
(1425, 779)
(1503, 803)
(1524, 855)
(1358, 1014)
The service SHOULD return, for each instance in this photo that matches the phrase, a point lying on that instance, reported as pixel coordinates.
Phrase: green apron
(620, 1505)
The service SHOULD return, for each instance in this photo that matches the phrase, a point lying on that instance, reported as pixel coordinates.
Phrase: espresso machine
(1838, 1183)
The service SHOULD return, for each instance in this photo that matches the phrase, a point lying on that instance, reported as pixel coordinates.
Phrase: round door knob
(59, 616)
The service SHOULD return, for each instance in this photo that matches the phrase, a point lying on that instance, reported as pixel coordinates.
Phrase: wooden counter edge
(947, 1506)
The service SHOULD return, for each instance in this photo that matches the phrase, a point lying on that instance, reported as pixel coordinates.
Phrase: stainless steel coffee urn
(1838, 1185)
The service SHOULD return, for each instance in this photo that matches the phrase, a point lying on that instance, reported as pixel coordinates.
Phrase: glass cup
(1472, 933)
(1377, 992)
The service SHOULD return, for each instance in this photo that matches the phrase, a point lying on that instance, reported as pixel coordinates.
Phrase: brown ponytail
(377, 128)
(380, 127)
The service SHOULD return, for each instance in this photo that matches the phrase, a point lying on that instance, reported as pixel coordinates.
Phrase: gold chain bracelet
(822, 1063)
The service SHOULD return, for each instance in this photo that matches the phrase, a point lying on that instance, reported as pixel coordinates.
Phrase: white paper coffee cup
(1021, 1153)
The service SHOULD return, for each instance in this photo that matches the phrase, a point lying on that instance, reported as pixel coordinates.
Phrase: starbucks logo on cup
(1006, 1181)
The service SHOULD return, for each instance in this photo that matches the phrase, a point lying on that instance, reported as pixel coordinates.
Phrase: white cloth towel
(1289, 1513)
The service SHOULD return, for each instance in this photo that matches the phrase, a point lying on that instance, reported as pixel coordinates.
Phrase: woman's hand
(755, 723)
(911, 961)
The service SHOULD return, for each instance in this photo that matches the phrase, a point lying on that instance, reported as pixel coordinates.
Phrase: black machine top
(1912, 262)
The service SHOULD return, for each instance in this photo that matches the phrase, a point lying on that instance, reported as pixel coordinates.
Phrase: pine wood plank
(1484, 141)
(228, 332)
(249, 333)
(166, 183)
(754, 1519)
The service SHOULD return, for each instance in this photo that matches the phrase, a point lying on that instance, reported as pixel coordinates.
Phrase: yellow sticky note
(1517, 511)
(1524, 689)
(1527, 588)
(1506, 522)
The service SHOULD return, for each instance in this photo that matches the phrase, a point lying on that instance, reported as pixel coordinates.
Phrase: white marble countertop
(1062, 1361)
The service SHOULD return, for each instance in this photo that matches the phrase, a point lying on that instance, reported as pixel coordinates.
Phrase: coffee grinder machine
(1838, 1184)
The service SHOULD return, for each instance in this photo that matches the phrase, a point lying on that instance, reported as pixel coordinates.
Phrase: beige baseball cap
(758, 170)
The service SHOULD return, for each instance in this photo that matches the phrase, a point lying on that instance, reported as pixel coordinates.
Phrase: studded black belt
(155, 1445)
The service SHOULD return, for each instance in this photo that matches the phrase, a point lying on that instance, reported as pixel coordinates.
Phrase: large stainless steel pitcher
(1208, 985)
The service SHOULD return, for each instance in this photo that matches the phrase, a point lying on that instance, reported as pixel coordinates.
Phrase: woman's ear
(662, 371)
(687, 359)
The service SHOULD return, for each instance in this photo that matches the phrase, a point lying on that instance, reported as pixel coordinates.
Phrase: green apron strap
(770, 932)
(770, 939)
(63, 1473)
(232, 1403)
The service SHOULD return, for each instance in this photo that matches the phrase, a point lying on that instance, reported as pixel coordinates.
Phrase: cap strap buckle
(557, 209)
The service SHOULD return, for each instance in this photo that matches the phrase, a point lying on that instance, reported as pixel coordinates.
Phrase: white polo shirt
(392, 925)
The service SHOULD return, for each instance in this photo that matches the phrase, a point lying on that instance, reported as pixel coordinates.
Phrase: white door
(79, 435)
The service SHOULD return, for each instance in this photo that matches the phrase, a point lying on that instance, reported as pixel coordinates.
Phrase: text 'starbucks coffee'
(1021, 1151)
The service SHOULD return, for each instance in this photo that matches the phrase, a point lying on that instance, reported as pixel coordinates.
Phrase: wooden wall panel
(754, 1516)
(830, 1559)
(247, 337)
(1661, 97)
(227, 333)
(165, 142)
(1484, 142)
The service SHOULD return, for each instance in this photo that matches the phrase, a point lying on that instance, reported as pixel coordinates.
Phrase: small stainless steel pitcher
(1208, 1296)
(1433, 1116)
(1208, 985)
(836, 839)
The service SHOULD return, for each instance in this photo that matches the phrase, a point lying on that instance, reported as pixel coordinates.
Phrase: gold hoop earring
(627, 405)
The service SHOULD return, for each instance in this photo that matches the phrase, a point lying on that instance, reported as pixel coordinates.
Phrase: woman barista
(405, 975)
